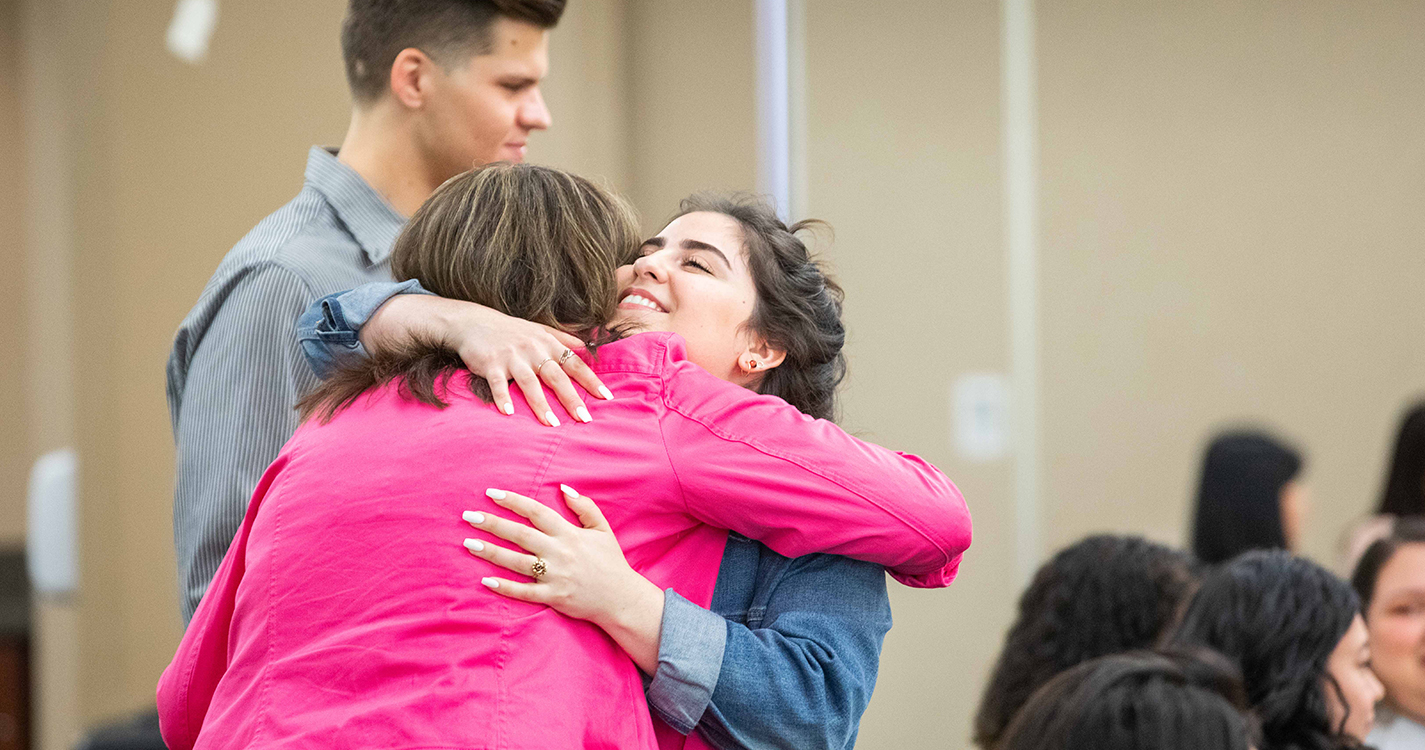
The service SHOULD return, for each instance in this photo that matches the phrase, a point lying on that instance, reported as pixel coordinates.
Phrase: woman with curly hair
(1104, 595)
(1296, 632)
(1138, 701)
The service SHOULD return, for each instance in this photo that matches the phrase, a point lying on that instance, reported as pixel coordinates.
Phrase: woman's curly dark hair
(798, 306)
(1279, 617)
(1103, 595)
(1139, 700)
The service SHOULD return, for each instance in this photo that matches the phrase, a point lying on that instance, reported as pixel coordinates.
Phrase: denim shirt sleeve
(329, 330)
(690, 653)
(799, 674)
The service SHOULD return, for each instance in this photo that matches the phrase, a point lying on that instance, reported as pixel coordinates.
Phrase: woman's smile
(639, 299)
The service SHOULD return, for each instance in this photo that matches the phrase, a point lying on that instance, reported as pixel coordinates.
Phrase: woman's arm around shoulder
(758, 466)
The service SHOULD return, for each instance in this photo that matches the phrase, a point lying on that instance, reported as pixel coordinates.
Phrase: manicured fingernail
(471, 516)
(508, 408)
(495, 494)
(491, 582)
(605, 392)
(474, 545)
(570, 492)
(583, 414)
(551, 419)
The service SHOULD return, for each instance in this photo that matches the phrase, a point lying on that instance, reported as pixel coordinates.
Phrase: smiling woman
(751, 275)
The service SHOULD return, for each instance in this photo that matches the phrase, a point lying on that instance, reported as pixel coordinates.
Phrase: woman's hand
(586, 575)
(495, 346)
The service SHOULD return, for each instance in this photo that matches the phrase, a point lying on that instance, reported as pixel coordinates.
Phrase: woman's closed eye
(695, 263)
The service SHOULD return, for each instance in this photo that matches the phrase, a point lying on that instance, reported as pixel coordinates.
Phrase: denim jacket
(788, 654)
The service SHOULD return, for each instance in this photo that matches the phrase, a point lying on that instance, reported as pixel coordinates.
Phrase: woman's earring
(751, 364)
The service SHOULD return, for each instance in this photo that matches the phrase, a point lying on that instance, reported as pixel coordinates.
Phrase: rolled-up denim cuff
(359, 304)
(690, 651)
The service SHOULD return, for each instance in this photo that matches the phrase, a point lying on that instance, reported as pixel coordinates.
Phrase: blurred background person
(1390, 581)
(1138, 701)
(1104, 595)
(1295, 631)
(1404, 492)
(1248, 498)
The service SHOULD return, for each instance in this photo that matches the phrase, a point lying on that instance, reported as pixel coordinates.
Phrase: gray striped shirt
(236, 369)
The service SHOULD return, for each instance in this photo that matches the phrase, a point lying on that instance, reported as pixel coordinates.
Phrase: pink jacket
(347, 612)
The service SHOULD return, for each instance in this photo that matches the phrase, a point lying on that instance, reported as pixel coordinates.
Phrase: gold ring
(538, 570)
(542, 363)
(565, 356)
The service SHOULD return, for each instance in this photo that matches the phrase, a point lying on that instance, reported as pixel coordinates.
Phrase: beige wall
(1234, 214)
(691, 101)
(1232, 218)
(14, 446)
(903, 160)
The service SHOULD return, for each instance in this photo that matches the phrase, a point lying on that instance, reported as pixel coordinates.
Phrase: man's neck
(379, 148)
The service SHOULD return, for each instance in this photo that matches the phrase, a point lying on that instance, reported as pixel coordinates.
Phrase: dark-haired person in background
(1390, 579)
(1404, 492)
(1138, 701)
(1249, 497)
(1295, 631)
(438, 86)
(1103, 595)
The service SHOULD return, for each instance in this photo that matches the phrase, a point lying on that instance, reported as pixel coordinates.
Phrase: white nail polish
(583, 414)
(507, 408)
(491, 582)
(471, 516)
(474, 545)
(495, 494)
(551, 419)
(605, 392)
(568, 491)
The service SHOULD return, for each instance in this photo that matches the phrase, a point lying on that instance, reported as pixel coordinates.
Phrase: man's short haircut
(375, 31)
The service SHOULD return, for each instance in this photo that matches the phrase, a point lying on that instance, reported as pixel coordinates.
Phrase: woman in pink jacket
(300, 642)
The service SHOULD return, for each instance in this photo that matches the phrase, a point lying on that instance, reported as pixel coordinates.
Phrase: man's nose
(534, 113)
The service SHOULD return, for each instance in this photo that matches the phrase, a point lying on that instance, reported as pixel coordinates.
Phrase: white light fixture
(191, 29)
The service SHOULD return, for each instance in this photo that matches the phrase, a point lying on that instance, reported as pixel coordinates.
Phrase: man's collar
(369, 218)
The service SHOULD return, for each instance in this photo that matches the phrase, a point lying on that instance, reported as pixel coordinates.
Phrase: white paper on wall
(51, 550)
(980, 415)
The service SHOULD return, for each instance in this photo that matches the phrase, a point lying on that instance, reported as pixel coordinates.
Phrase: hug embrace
(380, 587)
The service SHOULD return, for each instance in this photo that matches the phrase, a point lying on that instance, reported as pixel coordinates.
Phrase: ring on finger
(565, 356)
(539, 569)
(542, 363)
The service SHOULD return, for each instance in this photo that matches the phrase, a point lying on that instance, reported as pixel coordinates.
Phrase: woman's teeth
(638, 300)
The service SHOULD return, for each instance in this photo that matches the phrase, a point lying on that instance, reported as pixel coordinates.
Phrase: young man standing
(439, 86)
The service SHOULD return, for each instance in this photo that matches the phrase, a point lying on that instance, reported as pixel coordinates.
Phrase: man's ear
(411, 77)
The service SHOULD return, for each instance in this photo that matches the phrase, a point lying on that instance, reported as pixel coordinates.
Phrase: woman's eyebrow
(696, 245)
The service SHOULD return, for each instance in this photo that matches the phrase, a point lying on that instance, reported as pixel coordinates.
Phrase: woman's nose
(650, 266)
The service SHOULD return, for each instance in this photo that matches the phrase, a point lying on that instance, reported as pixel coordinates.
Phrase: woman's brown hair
(531, 242)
